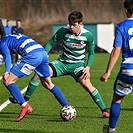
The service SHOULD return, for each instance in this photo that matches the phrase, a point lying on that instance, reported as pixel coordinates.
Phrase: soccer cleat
(30, 110)
(13, 100)
(105, 114)
(24, 111)
(105, 129)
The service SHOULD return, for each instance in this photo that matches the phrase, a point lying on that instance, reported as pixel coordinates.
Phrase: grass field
(46, 118)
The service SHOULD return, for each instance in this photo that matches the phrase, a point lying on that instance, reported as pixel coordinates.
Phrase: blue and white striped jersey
(124, 39)
(19, 44)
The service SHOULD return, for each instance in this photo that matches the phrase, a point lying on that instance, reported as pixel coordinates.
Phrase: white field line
(2, 106)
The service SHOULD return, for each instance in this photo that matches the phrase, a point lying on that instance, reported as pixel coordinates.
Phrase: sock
(114, 114)
(33, 84)
(98, 100)
(111, 130)
(59, 96)
(15, 92)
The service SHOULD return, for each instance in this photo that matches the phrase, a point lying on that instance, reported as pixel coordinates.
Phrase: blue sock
(15, 92)
(59, 96)
(114, 114)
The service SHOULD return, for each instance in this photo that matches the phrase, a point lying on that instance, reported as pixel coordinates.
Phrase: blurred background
(38, 16)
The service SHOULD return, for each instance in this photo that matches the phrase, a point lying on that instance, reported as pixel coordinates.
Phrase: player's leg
(25, 67)
(13, 89)
(44, 73)
(47, 83)
(33, 84)
(86, 84)
(77, 73)
(114, 112)
(121, 89)
(15, 74)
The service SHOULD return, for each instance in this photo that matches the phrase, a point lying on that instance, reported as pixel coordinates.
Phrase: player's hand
(86, 73)
(105, 77)
(5, 76)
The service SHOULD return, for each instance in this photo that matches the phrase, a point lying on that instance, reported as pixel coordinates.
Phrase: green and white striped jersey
(73, 46)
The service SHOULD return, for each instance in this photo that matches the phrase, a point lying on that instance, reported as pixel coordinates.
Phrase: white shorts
(121, 88)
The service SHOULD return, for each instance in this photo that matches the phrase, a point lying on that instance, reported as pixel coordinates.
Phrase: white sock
(23, 104)
(110, 130)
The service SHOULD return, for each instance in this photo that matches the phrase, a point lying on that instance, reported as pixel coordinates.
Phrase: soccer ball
(68, 113)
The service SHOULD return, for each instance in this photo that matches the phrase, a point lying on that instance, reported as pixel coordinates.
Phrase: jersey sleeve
(118, 38)
(50, 44)
(91, 52)
(56, 37)
(7, 57)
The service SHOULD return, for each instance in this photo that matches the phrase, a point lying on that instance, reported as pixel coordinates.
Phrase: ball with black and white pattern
(68, 113)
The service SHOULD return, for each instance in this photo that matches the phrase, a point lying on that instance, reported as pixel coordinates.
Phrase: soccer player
(72, 61)
(123, 84)
(34, 58)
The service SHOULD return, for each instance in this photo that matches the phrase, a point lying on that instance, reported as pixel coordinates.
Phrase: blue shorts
(34, 61)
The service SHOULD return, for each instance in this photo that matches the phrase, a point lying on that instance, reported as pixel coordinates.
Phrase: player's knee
(6, 83)
(48, 85)
(87, 86)
(36, 77)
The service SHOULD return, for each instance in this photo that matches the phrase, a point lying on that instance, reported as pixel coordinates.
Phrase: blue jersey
(19, 44)
(8, 30)
(124, 39)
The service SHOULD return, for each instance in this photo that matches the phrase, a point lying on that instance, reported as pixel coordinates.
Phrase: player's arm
(112, 61)
(7, 60)
(114, 55)
(91, 53)
(57, 36)
(50, 44)
(90, 57)
(7, 57)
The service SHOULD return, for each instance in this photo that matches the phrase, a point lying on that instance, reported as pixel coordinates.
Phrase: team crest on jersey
(82, 42)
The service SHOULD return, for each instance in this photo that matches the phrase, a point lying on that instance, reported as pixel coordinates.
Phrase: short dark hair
(75, 16)
(128, 4)
(7, 20)
(18, 20)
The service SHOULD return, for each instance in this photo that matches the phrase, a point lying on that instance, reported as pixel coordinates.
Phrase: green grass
(46, 118)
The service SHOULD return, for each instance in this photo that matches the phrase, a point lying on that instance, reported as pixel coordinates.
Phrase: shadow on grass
(91, 108)
(24, 131)
(127, 109)
(7, 116)
(10, 115)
